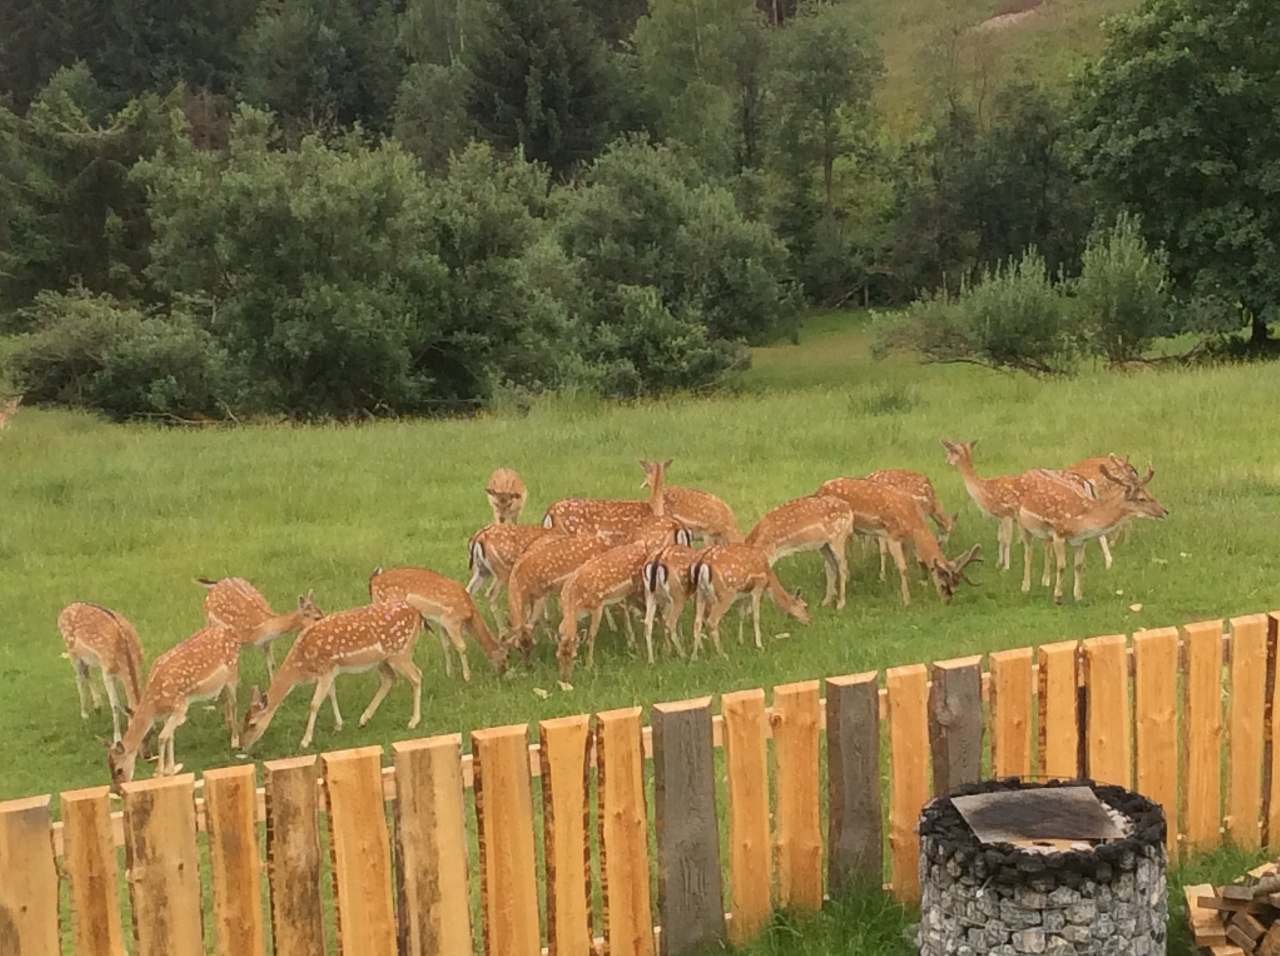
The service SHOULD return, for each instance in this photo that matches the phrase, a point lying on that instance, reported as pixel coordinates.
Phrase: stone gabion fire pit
(1061, 897)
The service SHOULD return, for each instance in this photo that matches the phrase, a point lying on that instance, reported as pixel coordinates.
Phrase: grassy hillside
(1047, 43)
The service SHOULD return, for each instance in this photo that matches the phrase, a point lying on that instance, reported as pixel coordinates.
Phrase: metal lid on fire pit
(1038, 816)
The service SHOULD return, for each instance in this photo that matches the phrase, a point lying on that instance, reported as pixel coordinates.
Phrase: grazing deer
(205, 665)
(705, 515)
(814, 523)
(494, 550)
(1054, 511)
(236, 604)
(897, 519)
(542, 569)
(441, 601)
(997, 498)
(721, 575)
(96, 636)
(666, 582)
(8, 410)
(616, 520)
(507, 495)
(919, 487)
(379, 635)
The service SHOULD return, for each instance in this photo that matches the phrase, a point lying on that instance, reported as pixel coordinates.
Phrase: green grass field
(128, 515)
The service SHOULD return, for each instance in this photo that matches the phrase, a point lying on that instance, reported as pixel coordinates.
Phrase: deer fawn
(897, 519)
(813, 523)
(1054, 511)
(721, 575)
(615, 520)
(236, 604)
(441, 601)
(507, 495)
(200, 668)
(705, 515)
(996, 498)
(379, 635)
(494, 550)
(96, 636)
(667, 583)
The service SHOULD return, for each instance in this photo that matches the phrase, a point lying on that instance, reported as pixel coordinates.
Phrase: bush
(94, 350)
(1123, 297)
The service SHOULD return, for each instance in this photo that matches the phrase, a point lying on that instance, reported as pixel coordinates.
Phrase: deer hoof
(414, 723)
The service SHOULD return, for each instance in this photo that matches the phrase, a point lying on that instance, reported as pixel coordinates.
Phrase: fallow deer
(493, 551)
(666, 583)
(997, 498)
(896, 518)
(705, 515)
(236, 604)
(814, 523)
(202, 667)
(96, 636)
(381, 635)
(507, 495)
(8, 409)
(541, 570)
(721, 575)
(1092, 470)
(918, 486)
(445, 602)
(615, 520)
(1054, 511)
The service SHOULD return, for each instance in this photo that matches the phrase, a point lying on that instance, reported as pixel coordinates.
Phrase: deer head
(308, 608)
(655, 472)
(959, 451)
(947, 575)
(799, 608)
(120, 763)
(254, 725)
(1139, 501)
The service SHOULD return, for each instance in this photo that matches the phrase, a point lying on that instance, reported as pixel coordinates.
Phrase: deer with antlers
(724, 573)
(813, 523)
(997, 498)
(202, 667)
(667, 584)
(381, 636)
(507, 495)
(897, 519)
(444, 602)
(236, 604)
(615, 520)
(494, 550)
(96, 636)
(920, 488)
(1054, 511)
(705, 515)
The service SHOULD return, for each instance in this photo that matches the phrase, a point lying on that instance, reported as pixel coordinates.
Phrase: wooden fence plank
(1271, 770)
(93, 877)
(163, 866)
(1155, 694)
(955, 723)
(1059, 711)
(687, 828)
(28, 879)
(566, 768)
(1011, 713)
(293, 856)
(624, 834)
(1202, 738)
(431, 843)
(361, 850)
(909, 747)
(508, 868)
(855, 838)
(1244, 759)
(747, 769)
(1110, 752)
(798, 837)
(229, 802)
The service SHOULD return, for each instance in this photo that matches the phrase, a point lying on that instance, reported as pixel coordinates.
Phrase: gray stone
(1104, 927)
(1016, 917)
(1053, 921)
(1029, 941)
(1082, 913)
(1057, 946)
(1064, 896)
(995, 933)
(1029, 898)
(1077, 934)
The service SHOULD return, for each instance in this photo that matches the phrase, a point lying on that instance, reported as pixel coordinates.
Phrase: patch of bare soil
(1017, 12)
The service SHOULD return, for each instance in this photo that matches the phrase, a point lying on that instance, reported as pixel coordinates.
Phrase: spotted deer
(202, 667)
(96, 636)
(897, 519)
(381, 635)
(507, 495)
(8, 409)
(667, 585)
(444, 602)
(1094, 470)
(997, 498)
(539, 573)
(236, 604)
(615, 520)
(724, 573)
(814, 523)
(705, 515)
(494, 550)
(1054, 511)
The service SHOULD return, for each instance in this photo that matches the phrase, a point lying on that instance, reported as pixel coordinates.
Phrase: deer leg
(829, 566)
(333, 699)
(323, 683)
(608, 619)
(386, 677)
(1077, 589)
(842, 568)
(755, 615)
(884, 558)
(671, 617)
(93, 688)
(650, 609)
(270, 656)
(900, 559)
(1048, 557)
(1006, 543)
(699, 613)
(631, 631)
(1026, 561)
(114, 700)
(229, 712)
(406, 668)
(742, 625)
(81, 670)
(1060, 553)
(448, 658)
(721, 608)
(1106, 552)
(166, 745)
(453, 629)
(596, 615)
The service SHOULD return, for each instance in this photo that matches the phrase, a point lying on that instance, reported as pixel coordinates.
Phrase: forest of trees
(364, 207)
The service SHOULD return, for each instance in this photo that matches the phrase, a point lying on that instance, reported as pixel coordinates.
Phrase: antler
(972, 556)
(1151, 473)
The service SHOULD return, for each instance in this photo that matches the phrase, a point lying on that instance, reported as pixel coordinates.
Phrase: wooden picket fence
(1148, 714)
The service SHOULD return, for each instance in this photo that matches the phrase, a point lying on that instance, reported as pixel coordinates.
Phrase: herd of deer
(591, 554)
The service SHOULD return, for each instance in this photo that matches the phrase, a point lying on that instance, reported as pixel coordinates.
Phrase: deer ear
(117, 748)
(1151, 473)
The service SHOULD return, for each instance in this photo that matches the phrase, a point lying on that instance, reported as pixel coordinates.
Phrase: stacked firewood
(1240, 918)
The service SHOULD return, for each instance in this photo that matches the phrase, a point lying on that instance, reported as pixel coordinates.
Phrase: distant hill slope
(980, 43)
